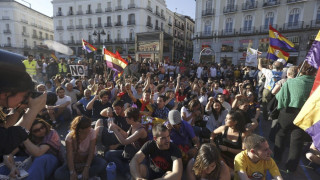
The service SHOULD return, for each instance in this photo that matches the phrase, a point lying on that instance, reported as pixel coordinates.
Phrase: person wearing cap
(158, 158)
(180, 133)
(31, 66)
(272, 76)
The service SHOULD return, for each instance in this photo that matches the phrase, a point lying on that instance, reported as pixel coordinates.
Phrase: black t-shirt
(161, 161)
(119, 121)
(11, 138)
(98, 107)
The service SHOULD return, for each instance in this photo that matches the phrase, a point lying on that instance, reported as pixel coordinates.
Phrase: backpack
(276, 76)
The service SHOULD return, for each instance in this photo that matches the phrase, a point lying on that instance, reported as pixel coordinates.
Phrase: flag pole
(304, 62)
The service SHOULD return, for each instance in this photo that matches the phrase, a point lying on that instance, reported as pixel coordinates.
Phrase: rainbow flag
(88, 47)
(278, 40)
(275, 53)
(308, 118)
(54, 56)
(114, 61)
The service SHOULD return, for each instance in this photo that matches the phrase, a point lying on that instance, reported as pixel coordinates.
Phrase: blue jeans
(97, 168)
(121, 163)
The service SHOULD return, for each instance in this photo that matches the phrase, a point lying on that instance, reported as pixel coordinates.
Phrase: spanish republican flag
(275, 53)
(278, 40)
(308, 118)
(114, 61)
(54, 56)
(87, 46)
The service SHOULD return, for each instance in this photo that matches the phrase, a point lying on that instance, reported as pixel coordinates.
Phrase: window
(34, 43)
(108, 36)
(207, 27)
(229, 24)
(51, 37)
(89, 7)
(34, 32)
(60, 22)
(162, 13)
(119, 19)
(80, 22)
(247, 23)
(157, 24)
(209, 5)
(9, 41)
(230, 3)
(25, 43)
(99, 20)
(89, 21)
(47, 36)
(24, 29)
(71, 22)
(7, 26)
(109, 20)
(109, 4)
(40, 35)
(99, 6)
(318, 16)
(161, 26)
(268, 20)
(119, 2)
(131, 35)
(80, 8)
(119, 35)
(70, 10)
(131, 18)
(149, 19)
(294, 17)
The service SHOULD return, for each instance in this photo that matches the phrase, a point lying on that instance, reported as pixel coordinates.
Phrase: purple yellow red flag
(278, 40)
(114, 61)
(313, 56)
(54, 56)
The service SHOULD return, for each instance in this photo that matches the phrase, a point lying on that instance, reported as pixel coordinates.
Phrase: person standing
(31, 66)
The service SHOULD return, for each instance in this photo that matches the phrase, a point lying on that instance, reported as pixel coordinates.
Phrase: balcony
(79, 12)
(315, 24)
(157, 28)
(70, 27)
(59, 28)
(118, 8)
(79, 27)
(108, 41)
(208, 12)
(26, 47)
(131, 22)
(149, 24)
(130, 40)
(89, 11)
(206, 34)
(230, 9)
(294, 1)
(25, 34)
(149, 8)
(70, 13)
(265, 28)
(163, 17)
(108, 24)
(7, 31)
(108, 9)
(99, 10)
(7, 45)
(41, 38)
(170, 23)
(59, 13)
(118, 40)
(34, 25)
(99, 25)
(118, 24)
(5, 18)
(24, 21)
(71, 42)
(268, 3)
(293, 25)
(247, 30)
(34, 36)
(228, 32)
(131, 6)
(249, 6)
(158, 13)
(89, 26)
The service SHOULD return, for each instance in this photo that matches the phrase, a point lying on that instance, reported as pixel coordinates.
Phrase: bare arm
(124, 140)
(90, 104)
(242, 175)
(177, 169)
(13, 118)
(190, 173)
(132, 96)
(34, 149)
(135, 165)
(70, 156)
(259, 64)
(276, 89)
(224, 173)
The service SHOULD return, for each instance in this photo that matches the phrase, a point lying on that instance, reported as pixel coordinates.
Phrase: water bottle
(111, 171)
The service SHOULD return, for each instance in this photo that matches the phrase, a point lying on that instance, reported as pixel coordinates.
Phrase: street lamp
(98, 34)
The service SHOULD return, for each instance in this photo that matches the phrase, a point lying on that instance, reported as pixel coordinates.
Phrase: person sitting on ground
(44, 146)
(133, 140)
(229, 137)
(160, 110)
(81, 159)
(207, 165)
(217, 114)
(313, 155)
(144, 104)
(163, 158)
(98, 103)
(255, 160)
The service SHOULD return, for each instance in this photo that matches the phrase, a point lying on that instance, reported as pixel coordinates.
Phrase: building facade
(228, 27)
(22, 29)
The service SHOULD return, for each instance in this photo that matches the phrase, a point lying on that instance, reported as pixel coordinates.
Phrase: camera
(51, 98)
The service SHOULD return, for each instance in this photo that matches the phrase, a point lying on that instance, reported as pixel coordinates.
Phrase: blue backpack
(276, 76)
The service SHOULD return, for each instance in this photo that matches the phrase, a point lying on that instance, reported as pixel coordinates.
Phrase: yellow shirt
(254, 170)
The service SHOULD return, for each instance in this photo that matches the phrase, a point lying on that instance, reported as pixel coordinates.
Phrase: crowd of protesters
(157, 119)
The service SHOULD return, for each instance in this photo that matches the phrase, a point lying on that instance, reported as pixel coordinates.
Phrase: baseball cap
(174, 117)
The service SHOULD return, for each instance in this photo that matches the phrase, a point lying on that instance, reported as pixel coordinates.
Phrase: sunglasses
(39, 129)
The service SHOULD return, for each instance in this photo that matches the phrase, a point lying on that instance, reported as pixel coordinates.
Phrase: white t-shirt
(44, 67)
(213, 72)
(172, 69)
(217, 91)
(226, 105)
(203, 99)
(199, 72)
(64, 100)
(268, 74)
(185, 110)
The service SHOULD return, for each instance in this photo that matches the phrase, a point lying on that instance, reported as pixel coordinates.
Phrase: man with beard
(163, 158)
(255, 161)
(98, 103)
(80, 106)
(62, 109)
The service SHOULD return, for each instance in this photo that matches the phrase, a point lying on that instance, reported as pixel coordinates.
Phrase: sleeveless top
(140, 142)
(231, 144)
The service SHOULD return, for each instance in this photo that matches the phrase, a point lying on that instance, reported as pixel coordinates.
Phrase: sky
(186, 7)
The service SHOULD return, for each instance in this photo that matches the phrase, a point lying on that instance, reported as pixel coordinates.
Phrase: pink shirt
(85, 144)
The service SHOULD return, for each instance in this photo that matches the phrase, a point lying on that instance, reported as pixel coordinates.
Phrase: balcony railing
(79, 27)
(34, 36)
(131, 22)
(59, 28)
(170, 23)
(7, 31)
(25, 34)
(227, 32)
(118, 40)
(163, 17)
(131, 6)
(24, 21)
(70, 13)
(79, 12)
(158, 13)
(71, 42)
(206, 34)
(59, 13)
(99, 10)
(208, 12)
(118, 24)
(230, 9)
(249, 6)
(293, 25)
(5, 18)
(108, 24)
(315, 23)
(247, 30)
(294, 1)
(109, 9)
(118, 8)
(149, 24)
(149, 8)
(265, 28)
(130, 40)
(268, 3)
(108, 41)
(89, 11)
(89, 26)
(34, 25)
(70, 27)
(99, 25)
(7, 45)
(26, 47)
(157, 28)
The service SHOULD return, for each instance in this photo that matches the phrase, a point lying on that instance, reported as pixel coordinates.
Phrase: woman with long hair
(217, 114)
(207, 165)
(132, 140)
(44, 146)
(81, 159)
(231, 136)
